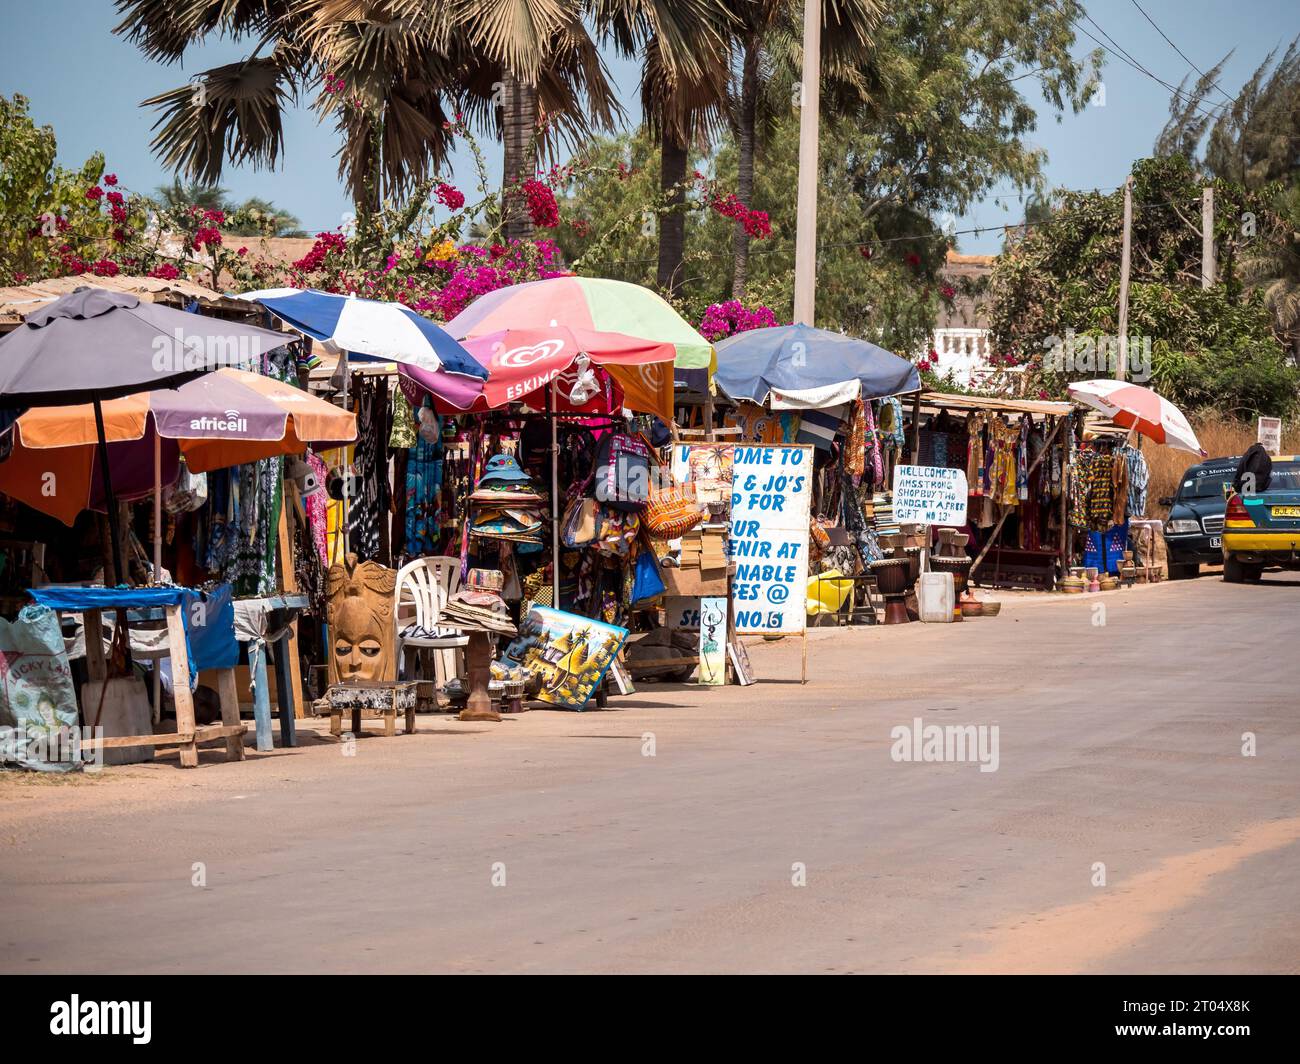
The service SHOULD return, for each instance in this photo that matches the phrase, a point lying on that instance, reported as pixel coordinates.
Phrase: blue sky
(88, 85)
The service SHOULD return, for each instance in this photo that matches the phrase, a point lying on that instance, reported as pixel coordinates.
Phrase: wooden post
(914, 444)
(181, 696)
(261, 699)
(92, 627)
(230, 713)
(1207, 237)
(1066, 474)
(1121, 370)
(478, 673)
(289, 583)
(805, 241)
(284, 693)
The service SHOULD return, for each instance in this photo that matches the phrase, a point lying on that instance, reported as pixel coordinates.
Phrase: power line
(1204, 75)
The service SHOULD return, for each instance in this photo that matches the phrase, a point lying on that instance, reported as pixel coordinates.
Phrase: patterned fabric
(1118, 488)
(1095, 477)
(260, 494)
(1022, 458)
(364, 507)
(424, 493)
(1004, 474)
(315, 506)
(891, 423)
(877, 460)
(1139, 478)
(976, 423)
(404, 434)
(855, 458)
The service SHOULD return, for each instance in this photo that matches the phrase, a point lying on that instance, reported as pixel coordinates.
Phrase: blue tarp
(209, 631)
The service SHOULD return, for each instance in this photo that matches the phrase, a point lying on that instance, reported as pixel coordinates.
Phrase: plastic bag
(38, 704)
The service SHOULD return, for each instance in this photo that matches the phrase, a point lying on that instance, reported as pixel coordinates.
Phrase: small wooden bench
(1010, 567)
(371, 699)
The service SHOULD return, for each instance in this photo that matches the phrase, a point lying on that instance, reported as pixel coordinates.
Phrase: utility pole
(805, 240)
(1121, 370)
(1207, 237)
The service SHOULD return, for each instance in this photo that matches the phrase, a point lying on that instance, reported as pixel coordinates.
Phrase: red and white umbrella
(1133, 407)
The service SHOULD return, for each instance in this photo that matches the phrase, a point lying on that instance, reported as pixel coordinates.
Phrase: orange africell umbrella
(225, 418)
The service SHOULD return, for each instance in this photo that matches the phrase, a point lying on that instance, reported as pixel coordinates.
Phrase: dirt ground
(767, 828)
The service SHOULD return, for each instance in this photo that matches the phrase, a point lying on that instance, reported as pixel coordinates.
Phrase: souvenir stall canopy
(213, 438)
(798, 367)
(1049, 491)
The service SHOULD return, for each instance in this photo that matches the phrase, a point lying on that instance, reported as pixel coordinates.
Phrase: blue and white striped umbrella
(388, 332)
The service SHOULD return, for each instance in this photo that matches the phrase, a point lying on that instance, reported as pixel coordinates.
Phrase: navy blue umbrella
(799, 366)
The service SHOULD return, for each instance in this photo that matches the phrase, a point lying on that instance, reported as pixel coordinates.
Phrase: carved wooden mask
(363, 640)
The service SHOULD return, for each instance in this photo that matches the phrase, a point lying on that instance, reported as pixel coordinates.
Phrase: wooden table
(188, 735)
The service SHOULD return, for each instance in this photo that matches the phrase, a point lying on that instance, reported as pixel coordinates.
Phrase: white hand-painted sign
(929, 495)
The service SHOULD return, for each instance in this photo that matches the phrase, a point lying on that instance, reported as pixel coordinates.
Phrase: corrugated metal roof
(945, 400)
(23, 299)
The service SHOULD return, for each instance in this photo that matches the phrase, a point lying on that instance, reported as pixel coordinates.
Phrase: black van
(1194, 527)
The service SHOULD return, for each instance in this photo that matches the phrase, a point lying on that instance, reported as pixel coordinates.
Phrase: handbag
(673, 509)
(646, 582)
(623, 472)
(580, 520)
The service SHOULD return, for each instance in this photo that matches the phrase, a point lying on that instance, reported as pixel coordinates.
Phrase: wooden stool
(372, 699)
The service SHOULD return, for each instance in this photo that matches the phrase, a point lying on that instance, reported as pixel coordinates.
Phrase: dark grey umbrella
(94, 345)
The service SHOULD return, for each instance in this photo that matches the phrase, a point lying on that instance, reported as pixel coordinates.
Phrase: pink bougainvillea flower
(110, 180)
(542, 208)
(94, 193)
(449, 195)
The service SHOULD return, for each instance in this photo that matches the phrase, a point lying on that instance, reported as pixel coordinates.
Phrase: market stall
(210, 454)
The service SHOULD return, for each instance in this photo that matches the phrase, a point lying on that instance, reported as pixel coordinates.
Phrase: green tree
(56, 221)
(182, 196)
(1210, 348)
(769, 42)
(1252, 139)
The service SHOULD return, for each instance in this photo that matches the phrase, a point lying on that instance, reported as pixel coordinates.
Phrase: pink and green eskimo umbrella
(586, 303)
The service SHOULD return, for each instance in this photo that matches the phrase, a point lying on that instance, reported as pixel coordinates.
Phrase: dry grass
(1220, 438)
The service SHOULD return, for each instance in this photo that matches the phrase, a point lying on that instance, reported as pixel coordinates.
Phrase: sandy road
(1119, 745)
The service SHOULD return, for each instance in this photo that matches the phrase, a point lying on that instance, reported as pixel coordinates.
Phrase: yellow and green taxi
(1261, 528)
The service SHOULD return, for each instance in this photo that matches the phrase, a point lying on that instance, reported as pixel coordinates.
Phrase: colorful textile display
(819, 427)
(1139, 477)
(370, 462)
(424, 487)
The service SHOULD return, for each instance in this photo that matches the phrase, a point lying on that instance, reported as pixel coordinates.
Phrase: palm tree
(393, 74)
(769, 42)
(686, 46)
(1273, 263)
(194, 194)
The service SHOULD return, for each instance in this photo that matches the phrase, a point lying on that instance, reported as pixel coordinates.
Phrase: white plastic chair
(423, 587)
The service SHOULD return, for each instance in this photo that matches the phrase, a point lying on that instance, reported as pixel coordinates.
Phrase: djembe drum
(894, 579)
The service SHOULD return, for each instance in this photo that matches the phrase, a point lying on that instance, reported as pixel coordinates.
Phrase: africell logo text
(230, 422)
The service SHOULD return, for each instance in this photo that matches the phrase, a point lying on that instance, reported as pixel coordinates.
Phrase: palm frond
(234, 111)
